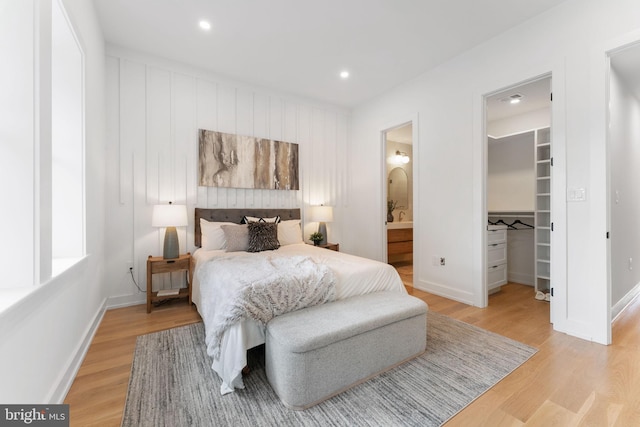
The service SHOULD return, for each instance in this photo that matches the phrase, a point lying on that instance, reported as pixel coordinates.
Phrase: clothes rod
(511, 215)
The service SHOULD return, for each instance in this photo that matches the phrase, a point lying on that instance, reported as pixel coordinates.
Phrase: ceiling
(533, 96)
(403, 134)
(300, 47)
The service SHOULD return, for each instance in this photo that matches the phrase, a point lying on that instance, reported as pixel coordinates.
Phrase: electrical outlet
(129, 265)
(442, 261)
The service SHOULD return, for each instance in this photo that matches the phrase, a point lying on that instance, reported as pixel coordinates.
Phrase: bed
(213, 281)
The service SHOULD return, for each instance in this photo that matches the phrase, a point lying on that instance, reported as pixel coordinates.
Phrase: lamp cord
(134, 280)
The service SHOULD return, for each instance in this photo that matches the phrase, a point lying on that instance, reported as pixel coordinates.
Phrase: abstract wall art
(236, 161)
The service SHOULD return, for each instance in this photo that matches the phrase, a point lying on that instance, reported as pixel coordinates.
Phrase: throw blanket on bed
(259, 287)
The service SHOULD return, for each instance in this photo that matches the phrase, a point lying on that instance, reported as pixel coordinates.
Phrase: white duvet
(354, 276)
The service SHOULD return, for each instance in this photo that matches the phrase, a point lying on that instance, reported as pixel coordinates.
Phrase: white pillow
(289, 232)
(212, 236)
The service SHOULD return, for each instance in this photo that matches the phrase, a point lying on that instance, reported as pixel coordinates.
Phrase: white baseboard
(624, 302)
(444, 291)
(522, 278)
(126, 300)
(59, 392)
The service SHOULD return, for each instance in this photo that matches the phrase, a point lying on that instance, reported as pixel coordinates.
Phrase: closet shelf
(518, 216)
(498, 213)
(543, 209)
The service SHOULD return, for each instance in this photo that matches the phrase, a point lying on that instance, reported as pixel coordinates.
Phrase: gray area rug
(172, 383)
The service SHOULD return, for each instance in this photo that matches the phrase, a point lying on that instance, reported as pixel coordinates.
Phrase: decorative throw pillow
(248, 219)
(289, 232)
(263, 236)
(236, 236)
(212, 235)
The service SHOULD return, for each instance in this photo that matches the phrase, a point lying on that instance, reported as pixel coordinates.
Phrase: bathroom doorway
(398, 149)
(518, 190)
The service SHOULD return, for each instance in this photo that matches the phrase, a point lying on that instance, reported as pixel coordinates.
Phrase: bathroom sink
(400, 224)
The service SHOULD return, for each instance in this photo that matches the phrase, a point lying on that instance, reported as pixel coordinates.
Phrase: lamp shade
(169, 216)
(321, 213)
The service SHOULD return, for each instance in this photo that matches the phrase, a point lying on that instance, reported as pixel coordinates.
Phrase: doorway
(399, 207)
(623, 153)
(518, 189)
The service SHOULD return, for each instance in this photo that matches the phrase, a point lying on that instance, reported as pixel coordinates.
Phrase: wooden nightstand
(160, 265)
(332, 246)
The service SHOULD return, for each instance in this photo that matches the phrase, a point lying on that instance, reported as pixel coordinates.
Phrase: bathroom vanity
(400, 238)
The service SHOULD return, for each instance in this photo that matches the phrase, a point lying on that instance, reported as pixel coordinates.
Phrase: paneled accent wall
(155, 109)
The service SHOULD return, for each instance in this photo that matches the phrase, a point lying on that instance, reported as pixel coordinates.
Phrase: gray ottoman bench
(320, 351)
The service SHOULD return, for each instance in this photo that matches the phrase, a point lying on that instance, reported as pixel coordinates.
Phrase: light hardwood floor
(569, 382)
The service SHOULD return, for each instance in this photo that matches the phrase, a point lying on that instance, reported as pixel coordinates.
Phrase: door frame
(484, 297)
(394, 124)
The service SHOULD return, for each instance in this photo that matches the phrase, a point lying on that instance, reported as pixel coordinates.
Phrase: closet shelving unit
(543, 209)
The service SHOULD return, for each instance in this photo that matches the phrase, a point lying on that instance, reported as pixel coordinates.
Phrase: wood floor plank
(568, 382)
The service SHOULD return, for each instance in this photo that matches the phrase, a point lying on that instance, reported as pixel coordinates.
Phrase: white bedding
(354, 276)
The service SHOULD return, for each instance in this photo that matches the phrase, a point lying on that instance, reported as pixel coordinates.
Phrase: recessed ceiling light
(205, 25)
(344, 74)
(513, 99)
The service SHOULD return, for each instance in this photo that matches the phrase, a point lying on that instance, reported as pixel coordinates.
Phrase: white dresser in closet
(496, 257)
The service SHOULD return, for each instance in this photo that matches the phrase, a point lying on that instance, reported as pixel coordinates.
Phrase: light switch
(576, 195)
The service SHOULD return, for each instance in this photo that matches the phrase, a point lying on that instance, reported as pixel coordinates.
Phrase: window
(41, 146)
(67, 143)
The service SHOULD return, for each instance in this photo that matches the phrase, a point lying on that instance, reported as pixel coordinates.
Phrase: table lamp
(170, 216)
(322, 214)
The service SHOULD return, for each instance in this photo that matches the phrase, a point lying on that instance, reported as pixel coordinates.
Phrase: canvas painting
(236, 161)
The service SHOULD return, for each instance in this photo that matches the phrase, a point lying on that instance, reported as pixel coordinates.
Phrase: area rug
(172, 383)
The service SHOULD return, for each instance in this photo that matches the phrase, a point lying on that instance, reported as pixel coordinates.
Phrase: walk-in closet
(518, 189)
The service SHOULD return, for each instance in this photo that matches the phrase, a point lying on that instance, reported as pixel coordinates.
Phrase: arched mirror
(399, 188)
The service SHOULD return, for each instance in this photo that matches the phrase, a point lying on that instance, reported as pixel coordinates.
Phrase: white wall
(511, 175)
(536, 119)
(567, 41)
(155, 108)
(42, 336)
(511, 185)
(624, 151)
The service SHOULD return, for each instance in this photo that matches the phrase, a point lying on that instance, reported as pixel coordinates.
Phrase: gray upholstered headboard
(235, 216)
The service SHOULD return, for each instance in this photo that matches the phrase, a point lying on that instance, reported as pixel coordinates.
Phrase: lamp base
(322, 228)
(171, 244)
